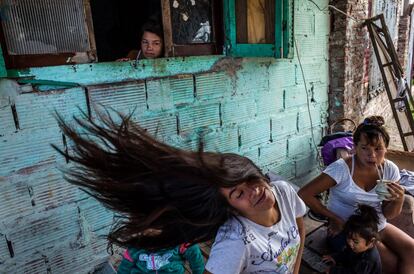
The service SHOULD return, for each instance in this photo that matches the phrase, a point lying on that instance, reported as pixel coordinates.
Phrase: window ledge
(107, 72)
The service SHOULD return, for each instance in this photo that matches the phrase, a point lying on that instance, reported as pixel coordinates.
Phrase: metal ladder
(392, 75)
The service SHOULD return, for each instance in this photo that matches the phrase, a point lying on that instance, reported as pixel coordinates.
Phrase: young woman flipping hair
(167, 196)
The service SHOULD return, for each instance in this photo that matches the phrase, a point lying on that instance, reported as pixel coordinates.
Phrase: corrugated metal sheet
(44, 26)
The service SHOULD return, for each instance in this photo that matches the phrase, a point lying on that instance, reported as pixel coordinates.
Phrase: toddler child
(360, 255)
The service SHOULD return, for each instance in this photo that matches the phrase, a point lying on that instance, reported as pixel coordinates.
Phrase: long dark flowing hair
(163, 196)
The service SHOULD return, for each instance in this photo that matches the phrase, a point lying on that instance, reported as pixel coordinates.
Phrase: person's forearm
(393, 209)
(314, 204)
(302, 234)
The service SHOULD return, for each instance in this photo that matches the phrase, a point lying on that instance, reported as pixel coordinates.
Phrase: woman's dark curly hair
(364, 223)
(373, 128)
(164, 196)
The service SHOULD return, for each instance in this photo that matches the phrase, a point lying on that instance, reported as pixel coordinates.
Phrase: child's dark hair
(151, 185)
(364, 223)
(152, 26)
(373, 128)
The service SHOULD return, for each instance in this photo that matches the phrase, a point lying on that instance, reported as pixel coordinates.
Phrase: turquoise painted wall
(253, 106)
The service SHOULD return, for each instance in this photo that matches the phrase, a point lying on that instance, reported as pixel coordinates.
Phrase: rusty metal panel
(36, 110)
(123, 97)
(44, 26)
(28, 148)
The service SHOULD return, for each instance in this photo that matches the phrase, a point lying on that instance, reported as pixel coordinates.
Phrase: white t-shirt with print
(345, 196)
(242, 246)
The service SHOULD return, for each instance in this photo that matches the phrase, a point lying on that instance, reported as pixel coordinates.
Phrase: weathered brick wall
(256, 107)
(348, 40)
(354, 76)
(403, 39)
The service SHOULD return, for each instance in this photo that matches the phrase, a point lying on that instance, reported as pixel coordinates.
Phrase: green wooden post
(288, 32)
(3, 71)
(279, 28)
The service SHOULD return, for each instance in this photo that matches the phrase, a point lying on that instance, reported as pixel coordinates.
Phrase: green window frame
(283, 44)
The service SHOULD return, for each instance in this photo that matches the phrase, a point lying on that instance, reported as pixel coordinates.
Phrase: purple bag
(329, 148)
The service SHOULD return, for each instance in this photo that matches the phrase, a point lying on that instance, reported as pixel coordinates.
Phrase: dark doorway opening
(117, 25)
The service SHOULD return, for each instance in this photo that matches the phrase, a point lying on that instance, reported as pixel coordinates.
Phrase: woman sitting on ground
(353, 181)
(187, 197)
